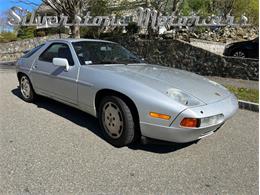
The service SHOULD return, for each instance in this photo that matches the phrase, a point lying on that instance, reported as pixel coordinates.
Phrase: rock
(224, 35)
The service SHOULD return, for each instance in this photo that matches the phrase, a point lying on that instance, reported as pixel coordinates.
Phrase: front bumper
(176, 133)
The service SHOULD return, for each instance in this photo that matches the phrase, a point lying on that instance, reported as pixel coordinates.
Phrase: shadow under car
(91, 123)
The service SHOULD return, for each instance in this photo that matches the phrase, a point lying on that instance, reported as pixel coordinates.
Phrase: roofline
(70, 40)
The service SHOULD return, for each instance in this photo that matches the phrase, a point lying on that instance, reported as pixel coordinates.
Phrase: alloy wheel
(112, 120)
(239, 54)
(25, 87)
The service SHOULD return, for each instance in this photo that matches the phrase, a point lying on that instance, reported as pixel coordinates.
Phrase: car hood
(163, 78)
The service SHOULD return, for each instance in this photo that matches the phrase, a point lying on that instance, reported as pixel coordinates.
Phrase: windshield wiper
(106, 62)
(120, 61)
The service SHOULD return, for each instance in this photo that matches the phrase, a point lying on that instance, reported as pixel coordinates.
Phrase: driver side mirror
(62, 62)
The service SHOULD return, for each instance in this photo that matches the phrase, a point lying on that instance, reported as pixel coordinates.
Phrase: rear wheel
(239, 54)
(26, 89)
(117, 122)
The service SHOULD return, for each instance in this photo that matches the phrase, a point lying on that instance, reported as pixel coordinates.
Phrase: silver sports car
(130, 97)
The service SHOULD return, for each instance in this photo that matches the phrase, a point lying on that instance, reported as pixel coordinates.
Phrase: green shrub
(246, 94)
(25, 32)
(7, 37)
(40, 34)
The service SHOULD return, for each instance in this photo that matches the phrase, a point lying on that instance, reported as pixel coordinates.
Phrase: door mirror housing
(63, 62)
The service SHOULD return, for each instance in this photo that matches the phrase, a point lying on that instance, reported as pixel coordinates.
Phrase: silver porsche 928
(130, 97)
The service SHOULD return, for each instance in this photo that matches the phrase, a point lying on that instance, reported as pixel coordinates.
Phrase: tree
(70, 8)
(176, 5)
(186, 9)
(97, 8)
(223, 7)
(248, 7)
(202, 7)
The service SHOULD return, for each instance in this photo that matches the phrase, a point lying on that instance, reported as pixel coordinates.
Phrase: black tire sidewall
(128, 133)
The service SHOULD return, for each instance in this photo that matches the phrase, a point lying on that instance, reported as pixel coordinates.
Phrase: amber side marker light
(161, 116)
(190, 122)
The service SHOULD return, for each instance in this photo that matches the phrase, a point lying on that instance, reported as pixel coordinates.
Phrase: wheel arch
(109, 92)
(20, 74)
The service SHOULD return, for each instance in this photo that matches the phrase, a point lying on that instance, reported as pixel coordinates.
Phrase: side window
(57, 50)
(30, 53)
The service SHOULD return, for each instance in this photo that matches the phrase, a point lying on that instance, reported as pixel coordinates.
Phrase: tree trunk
(176, 5)
(75, 31)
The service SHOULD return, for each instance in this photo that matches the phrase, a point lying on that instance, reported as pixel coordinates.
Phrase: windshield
(91, 52)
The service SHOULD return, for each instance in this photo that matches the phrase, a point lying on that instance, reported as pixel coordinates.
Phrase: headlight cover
(182, 97)
(213, 120)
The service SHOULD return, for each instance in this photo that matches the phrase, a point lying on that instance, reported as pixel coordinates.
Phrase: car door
(53, 80)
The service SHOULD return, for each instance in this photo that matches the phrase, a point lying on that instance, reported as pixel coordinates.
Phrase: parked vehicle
(130, 97)
(245, 49)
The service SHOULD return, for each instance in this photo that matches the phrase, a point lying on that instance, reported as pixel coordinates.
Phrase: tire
(26, 89)
(116, 121)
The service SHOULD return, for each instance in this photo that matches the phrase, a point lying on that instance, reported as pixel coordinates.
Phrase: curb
(248, 106)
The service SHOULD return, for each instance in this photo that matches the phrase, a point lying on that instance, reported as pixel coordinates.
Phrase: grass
(251, 95)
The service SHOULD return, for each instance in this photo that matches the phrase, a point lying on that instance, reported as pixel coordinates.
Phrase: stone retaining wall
(182, 55)
(14, 50)
(172, 53)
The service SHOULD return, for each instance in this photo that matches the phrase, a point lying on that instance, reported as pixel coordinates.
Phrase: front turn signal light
(190, 122)
(160, 116)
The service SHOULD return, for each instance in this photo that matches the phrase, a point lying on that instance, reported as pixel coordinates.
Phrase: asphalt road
(47, 147)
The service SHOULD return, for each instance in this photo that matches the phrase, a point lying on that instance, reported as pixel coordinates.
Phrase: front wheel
(117, 122)
(26, 89)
